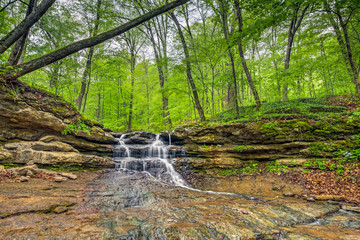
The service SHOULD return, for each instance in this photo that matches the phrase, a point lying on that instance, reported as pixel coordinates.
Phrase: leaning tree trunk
(243, 61)
(188, 69)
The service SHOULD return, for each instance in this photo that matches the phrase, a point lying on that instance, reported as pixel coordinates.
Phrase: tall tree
(344, 12)
(188, 68)
(85, 83)
(296, 19)
(243, 60)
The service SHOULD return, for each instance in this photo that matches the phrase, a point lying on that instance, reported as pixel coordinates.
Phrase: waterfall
(148, 154)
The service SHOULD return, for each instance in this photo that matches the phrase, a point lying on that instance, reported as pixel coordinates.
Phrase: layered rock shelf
(291, 142)
(32, 124)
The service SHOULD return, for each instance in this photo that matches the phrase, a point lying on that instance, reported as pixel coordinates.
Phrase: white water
(155, 159)
(154, 156)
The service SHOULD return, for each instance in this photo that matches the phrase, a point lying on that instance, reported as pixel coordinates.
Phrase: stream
(145, 198)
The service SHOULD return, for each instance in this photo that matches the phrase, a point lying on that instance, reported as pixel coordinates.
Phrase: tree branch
(25, 25)
(8, 4)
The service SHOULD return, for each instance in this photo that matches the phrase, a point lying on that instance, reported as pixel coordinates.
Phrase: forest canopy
(125, 64)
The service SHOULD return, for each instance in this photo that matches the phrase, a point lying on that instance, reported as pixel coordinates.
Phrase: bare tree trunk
(294, 26)
(87, 72)
(131, 103)
(162, 80)
(226, 32)
(188, 69)
(354, 70)
(22, 69)
(20, 44)
(243, 61)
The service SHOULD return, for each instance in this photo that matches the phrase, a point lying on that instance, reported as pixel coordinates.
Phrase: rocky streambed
(124, 204)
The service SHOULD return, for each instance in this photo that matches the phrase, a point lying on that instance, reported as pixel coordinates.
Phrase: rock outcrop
(32, 127)
(291, 142)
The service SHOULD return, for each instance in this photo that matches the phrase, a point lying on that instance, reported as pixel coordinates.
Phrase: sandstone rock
(310, 199)
(48, 138)
(289, 194)
(349, 207)
(36, 115)
(2, 168)
(5, 156)
(59, 179)
(29, 173)
(329, 197)
(56, 158)
(293, 162)
(244, 211)
(60, 209)
(53, 146)
(24, 179)
(24, 171)
(68, 175)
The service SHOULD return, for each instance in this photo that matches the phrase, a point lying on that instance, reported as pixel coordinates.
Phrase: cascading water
(151, 155)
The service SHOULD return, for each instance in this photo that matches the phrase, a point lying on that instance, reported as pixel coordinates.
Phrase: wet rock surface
(134, 205)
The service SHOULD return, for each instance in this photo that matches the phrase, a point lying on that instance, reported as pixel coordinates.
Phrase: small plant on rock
(241, 148)
(251, 168)
(276, 167)
(76, 128)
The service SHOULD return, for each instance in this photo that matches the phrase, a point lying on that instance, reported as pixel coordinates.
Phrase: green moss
(270, 128)
(72, 168)
(228, 172)
(12, 165)
(11, 93)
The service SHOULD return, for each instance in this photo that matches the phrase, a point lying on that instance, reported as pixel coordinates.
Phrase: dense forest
(190, 64)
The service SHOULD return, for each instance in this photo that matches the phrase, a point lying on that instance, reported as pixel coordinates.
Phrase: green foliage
(12, 165)
(228, 172)
(251, 168)
(76, 128)
(317, 67)
(318, 164)
(276, 167)
(241, 148)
